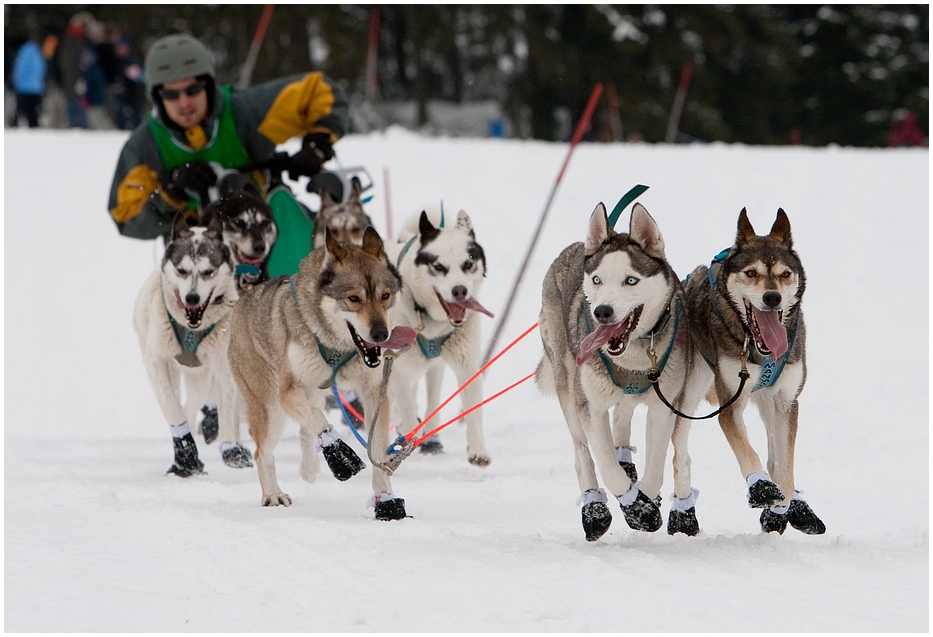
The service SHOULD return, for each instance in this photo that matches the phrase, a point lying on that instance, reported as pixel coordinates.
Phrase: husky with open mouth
(293, 336)
(181, 319)
(443, 268)
(612, 309)
(747, 304)
(248, 225)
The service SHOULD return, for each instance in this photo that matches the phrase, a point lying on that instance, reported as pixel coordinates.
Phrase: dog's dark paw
(802, 518)
(596, 520)
(342, 460)
(187, 462)
(643, 514)
(237, 457)
(764, 493)
(393, 509)
(630, 471)
(210, 425)
(772, 522)
(683, 522)
(431, 446)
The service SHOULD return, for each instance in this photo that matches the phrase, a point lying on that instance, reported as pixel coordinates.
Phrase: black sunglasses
(191, 90)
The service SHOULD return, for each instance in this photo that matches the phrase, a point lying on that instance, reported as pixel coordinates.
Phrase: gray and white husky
(442, 268)
(292, 337)
(612, 308)
(747, 304)
(180, 319)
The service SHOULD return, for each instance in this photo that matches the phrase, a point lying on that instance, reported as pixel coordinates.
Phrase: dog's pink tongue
(772, 332)
(473, 304)
(596, 339)
(400, 337)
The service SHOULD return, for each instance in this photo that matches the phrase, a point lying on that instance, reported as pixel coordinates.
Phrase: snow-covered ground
(98, 538)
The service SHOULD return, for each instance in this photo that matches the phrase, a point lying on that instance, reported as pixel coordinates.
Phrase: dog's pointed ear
(745, 230)
(215, 228)
(326, 200)
(180, 227)
(644, 231)
(598, 230)
(780, 231)
(334, 248)
(464, 224)
(424, 224)
(372, 242)
(356, 188)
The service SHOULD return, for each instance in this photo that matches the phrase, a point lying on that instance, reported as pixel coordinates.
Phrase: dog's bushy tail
(544, 378)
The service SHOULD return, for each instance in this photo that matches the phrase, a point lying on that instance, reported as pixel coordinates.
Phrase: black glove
(194, 177)
(315, 150)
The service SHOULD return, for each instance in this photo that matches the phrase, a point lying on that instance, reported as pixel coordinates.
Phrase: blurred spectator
(128, 88)
(72, 49)
(29, 69)
(95, 80)
(905, 131)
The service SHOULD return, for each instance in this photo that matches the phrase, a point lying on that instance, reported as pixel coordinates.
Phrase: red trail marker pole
(582, 125)
(258, 37)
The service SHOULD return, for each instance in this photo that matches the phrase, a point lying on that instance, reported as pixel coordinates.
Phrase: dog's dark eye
(182, 272)
(468, 265)
(439, 268)
(597, 280)
(207, 274)
(353, 299)
(751, 274)
(386, 296)
(632, 280)
(786, 274)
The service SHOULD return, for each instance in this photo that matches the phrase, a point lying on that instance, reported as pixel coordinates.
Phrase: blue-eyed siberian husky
(180, 319)
(442, 268)
(609, 304)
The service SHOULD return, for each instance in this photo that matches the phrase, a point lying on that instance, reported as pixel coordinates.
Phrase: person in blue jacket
(29, 69)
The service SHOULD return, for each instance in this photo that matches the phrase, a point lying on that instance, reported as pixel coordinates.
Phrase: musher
(168, 163)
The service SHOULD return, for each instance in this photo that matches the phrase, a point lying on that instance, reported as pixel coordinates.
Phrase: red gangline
(411, 434)
(474, 407)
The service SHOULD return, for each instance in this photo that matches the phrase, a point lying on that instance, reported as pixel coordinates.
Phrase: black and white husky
(248, 228)
(442, 268)
(180, 319)
(612, 309)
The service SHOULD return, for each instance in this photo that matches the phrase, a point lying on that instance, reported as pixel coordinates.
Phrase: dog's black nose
(459, 292)
(603, 313)
(259, 247)
(192, 298)
(379, 333)
(771, 299)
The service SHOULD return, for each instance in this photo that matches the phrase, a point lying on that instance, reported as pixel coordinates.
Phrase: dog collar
(635, 381)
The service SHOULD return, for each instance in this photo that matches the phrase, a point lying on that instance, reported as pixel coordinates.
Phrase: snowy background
(98, 538)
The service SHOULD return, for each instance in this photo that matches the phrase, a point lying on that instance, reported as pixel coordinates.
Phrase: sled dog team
(619, 329)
